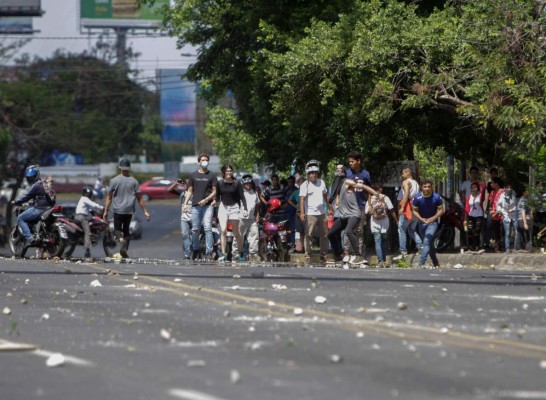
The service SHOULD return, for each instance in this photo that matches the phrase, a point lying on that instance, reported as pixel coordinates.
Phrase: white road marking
(46, 354)
(519, 298)
(192, 395)
(521, 394)
(68, 359)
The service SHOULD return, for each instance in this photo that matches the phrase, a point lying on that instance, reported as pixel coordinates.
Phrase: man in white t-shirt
(313, 200)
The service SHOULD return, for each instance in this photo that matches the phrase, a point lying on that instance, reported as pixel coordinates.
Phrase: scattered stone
(320, 299)
(298, 311)
(444, 289)
(278, 286)
(271, 303)
(8, 294)
(236, 276)
(165, 334)
(458, 266)
(234, 376)
(227, 313)
(45, 316)
(95, 283)
(402, 306)
(444, 330)
(135, 277)
(252, 328)
(543, 364)
(336, 358)
(534, 277)
(525, 306)
(24, 301)
(27, 281)
(360, 334)
(6, 311)
(55, 360)
(178, 280)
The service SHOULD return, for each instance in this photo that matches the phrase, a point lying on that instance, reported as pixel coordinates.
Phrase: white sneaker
(346, 259)
(400, 257)
(351, 259)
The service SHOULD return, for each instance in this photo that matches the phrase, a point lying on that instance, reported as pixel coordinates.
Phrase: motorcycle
(101, 232)
(49, 233)
(274, 243)
(452, 218)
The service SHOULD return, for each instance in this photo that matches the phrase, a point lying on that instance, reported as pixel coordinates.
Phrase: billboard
(16, 25)
(120, 13)
(19, 8)
(178, 114)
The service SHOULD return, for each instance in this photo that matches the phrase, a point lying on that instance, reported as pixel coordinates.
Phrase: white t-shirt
(314, 197)
(251, 199)
(380, 225)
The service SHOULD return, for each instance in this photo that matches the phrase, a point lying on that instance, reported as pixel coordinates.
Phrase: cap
(124, 164)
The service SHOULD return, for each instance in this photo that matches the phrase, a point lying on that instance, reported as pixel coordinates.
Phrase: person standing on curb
(428, 207)
(202, 191)
(249, 223)
(406, 225)
(313, 197)
(123, 190)
(358, 174)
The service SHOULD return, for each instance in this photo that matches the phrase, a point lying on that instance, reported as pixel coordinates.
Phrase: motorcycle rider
(83, 212)
(44, 197)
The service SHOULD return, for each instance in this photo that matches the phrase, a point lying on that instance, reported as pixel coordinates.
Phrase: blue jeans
(507, 225)
(30, 215)
(202, 215)
(380, 245)
(185, 227)
(406, 227)
(428, 232)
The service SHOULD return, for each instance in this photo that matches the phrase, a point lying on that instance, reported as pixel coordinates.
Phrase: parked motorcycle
(101, 232)
(274, 240)
(452, 218)
(48, 230)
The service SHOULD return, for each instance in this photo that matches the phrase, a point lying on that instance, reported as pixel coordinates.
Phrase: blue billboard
(178, 106)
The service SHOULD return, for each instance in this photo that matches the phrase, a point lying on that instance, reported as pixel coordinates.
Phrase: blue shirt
(362, 176)
(427, 206)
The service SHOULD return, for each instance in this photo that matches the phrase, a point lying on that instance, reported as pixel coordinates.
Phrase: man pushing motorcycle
(42, 194)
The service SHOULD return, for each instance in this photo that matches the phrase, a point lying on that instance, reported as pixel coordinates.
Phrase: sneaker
(123, 253)
(346, 258)
(357, 260)
(352, 259)
(221, 258)
(400, 257)
(242, 258)
(195, 255)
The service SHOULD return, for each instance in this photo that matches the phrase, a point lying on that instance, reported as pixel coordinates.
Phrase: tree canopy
(314, 79)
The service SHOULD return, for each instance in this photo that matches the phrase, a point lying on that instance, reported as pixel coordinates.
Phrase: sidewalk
(501, 261)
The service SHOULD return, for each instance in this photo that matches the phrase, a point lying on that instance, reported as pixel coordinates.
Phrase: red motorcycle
(452, 218)
(274, 242)
(100, 233)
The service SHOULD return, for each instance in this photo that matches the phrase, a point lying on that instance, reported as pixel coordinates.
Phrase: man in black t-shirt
(202, 191)
(275, 191)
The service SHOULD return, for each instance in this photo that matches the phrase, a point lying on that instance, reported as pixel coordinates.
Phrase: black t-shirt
(230, 193)
(202, 184)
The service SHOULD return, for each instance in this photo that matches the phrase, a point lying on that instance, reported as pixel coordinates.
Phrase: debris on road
(236, 276)
(234, 376)
(45, 316)
(320, 299)
(298, 311)
(336, 358)
(95, 283)
(55, 360)
(458, 266)
(402, 306)
(278, 286)
(6, 311)
(165, 334)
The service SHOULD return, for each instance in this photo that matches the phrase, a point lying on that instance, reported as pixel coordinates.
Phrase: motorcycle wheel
(16, 242)
(70, 249)
(56, 249)
(444, 238)
(281, 250)
(110, 245)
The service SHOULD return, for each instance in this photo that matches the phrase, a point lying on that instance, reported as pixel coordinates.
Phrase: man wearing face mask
(507, 205)
(202, 190)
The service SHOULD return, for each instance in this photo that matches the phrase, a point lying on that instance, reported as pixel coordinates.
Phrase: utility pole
(121, 45)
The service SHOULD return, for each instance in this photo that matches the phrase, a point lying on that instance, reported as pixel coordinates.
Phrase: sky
(60, 29)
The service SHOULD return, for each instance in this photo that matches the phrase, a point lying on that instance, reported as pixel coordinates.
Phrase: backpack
(378, 207)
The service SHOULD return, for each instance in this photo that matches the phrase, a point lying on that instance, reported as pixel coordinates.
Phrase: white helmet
(312, 166)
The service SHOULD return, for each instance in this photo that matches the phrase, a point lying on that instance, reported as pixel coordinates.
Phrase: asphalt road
(173, 330)
(208, 331)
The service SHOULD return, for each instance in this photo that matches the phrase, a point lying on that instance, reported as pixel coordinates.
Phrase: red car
(157, 189)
